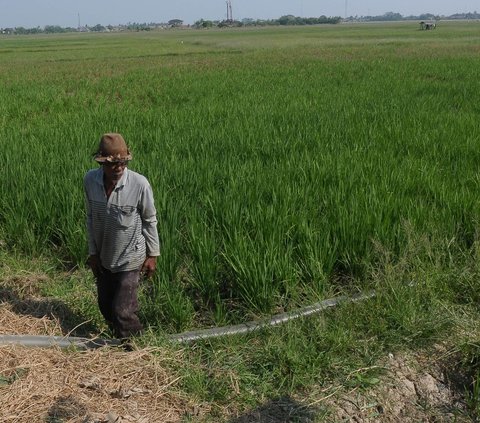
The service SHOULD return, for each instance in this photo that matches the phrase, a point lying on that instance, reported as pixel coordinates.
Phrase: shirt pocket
(126, 218)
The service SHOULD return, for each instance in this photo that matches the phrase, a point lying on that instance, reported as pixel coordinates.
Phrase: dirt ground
(413, 388)
(409, 388)
(111, 385)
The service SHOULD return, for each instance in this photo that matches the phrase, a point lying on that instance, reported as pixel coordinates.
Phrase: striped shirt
(122, 230)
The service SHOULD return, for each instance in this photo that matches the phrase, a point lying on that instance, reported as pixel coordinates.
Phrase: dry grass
(12, 323)
(105, 385)
(96, 386)
(50, 385)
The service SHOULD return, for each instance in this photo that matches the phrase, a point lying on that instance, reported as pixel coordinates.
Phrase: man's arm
(148, 214)
(92, 248)
(93, 260)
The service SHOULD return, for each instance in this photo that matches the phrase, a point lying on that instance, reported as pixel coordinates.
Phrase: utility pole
(346, 9)
(229, 11)
(79, 21)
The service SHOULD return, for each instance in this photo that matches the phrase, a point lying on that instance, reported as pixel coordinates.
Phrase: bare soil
(415, 387)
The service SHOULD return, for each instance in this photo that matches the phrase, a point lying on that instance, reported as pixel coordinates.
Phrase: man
(122, 233)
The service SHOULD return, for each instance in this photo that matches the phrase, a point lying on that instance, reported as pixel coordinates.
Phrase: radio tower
(229, 11)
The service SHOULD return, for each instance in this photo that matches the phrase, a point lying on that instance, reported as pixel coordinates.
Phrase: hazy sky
(32, 13)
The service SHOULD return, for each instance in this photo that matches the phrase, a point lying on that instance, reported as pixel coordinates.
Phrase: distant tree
(248, 21)
(36, 30)
(473, 15)
(426, 17)
(53, 29)
(97, 28)
(287, 20)
(175, 23)
(391, 16)
(203, 24)
(297, 20)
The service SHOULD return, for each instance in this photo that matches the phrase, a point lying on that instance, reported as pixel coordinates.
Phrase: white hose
(85, 343)
(273, 321)
(43, 341)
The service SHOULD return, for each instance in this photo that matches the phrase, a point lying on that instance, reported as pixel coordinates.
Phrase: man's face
(113, 171)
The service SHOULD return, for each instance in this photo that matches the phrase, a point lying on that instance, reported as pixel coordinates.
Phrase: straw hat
(112, 148)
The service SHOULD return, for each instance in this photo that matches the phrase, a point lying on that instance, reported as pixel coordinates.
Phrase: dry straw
(96, 386)
(13, 323)
(106, 385)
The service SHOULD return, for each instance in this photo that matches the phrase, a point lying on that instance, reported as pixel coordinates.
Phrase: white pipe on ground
(85, 343)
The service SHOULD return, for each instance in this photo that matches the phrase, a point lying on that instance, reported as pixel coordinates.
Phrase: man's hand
(149, 266)
(94, 262)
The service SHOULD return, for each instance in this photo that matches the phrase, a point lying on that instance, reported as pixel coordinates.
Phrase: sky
(33, 13)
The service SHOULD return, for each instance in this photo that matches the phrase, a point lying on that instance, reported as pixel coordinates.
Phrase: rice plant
(277, 156)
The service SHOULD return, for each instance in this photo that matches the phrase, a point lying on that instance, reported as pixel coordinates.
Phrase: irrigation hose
(65, 342)
(185, 337)
(273, 321)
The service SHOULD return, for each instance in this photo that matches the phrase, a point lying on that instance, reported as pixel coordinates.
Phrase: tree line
(392, 16)
(174, 23)
(283, 20)
(205, 23)
(56, 29)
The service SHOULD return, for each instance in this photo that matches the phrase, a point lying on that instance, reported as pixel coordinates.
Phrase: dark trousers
(118, 301)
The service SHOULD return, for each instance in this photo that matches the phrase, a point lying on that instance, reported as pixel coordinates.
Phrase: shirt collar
(120, 184)
(123, 180)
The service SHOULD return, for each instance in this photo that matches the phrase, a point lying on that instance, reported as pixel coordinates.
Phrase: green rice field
(284, 161)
